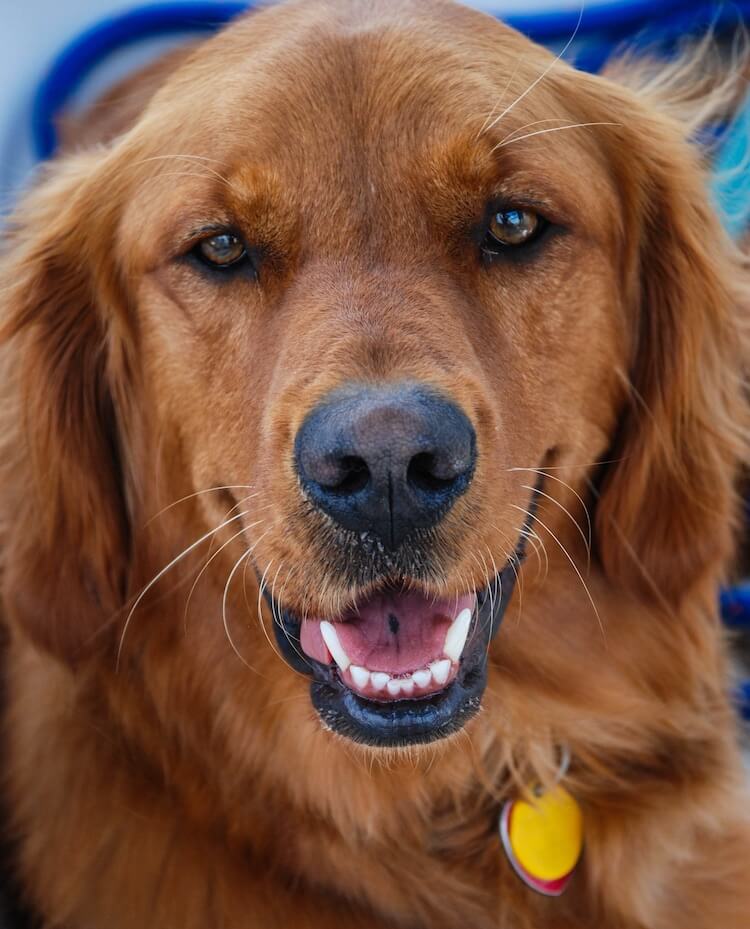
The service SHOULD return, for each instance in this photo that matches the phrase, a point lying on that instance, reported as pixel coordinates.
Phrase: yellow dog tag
(543, 839)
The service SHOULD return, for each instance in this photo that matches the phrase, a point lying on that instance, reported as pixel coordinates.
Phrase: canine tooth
(379, 679)
(455, 638)
(441, 670)
(331, 638)
(393, 687)
(422, 678)
(360, 676)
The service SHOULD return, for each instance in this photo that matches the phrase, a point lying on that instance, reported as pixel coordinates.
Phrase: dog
(373, 416)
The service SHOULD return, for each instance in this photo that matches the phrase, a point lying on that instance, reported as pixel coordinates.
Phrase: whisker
(544, 73)
(536, 122)
(496, 578)
(240, 560)
(552, 477)
(486, 124)
(539, 546)
(236, 506)
(206, 565)
(197, 493)
(530, 135)
(143, 161)
(161, 574)
(211, 172)
(278, 620)
(275, 619)
(228, 634)
(573, 565)
(586, 542)
(261, 589)
(488, 583)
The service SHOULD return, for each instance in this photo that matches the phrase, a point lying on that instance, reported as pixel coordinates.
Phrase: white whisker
(586, 542)
(197, 493)
(206, 565)
(573, 565)
(211, 172)
(530, 135)
(225, 620)
(552, 477)
(487, 121)
(161, 574)
(544, 73)
(228, 634)
(539, 545)
(536, 122)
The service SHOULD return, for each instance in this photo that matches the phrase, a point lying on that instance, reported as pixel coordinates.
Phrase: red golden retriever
(372, 411)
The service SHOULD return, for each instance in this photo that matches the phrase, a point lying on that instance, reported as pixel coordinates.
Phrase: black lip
(415, 721)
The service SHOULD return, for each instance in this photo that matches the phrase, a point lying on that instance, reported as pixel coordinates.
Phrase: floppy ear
(667, 511)
(64, 506)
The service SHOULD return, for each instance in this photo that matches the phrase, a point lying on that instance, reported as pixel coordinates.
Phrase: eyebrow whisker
(530, 135)
(544, 73)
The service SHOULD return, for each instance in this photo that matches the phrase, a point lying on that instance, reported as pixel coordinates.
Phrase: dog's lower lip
(404, 719)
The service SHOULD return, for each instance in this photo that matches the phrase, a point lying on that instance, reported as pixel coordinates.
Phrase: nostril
(385, 460)
(354, 475)
(423, 473)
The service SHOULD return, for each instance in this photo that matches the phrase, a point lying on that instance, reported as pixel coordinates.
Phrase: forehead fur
(432, 102)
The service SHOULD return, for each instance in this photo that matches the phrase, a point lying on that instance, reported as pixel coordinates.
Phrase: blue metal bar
(742, 699)
(77, 59)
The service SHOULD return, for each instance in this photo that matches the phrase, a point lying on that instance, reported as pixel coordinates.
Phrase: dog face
(395, 283)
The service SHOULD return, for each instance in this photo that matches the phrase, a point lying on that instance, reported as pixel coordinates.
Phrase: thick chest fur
(107, 842)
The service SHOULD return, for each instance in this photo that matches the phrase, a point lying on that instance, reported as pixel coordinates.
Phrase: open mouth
(401, 667)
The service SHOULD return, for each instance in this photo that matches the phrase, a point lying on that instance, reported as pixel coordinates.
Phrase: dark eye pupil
(513, 227)
(223, 249)
(222, 244)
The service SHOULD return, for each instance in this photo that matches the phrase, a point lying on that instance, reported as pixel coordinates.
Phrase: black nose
(385, 460)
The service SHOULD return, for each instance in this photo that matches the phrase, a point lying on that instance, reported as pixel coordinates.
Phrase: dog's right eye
(221, 251)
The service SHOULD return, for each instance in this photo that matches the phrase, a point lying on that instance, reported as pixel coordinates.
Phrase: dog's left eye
(221, 251)
(512, 228)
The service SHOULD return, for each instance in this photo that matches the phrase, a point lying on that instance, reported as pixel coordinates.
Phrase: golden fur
(164, 768)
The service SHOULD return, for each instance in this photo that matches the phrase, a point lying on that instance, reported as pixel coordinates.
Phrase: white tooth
(379, 679)
(407, 686)
(331, 638)
(360, 676)
(422, 678)
(455, 638)
(394, 687)
(441, 670)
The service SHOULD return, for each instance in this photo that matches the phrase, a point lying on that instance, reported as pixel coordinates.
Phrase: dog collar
(543, 838)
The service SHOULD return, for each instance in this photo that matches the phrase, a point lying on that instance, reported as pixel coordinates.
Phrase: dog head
(387, 298)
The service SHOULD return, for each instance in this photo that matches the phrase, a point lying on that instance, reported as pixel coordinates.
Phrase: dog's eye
(512, 228)
(222, 250)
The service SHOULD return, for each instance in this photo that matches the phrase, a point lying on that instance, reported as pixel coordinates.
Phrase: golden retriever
(327, 343)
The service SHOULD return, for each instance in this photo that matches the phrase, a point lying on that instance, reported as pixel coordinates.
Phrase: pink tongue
(390, 631)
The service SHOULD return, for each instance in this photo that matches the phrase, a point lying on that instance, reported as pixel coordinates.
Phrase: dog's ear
(66, 544)
(667, 511)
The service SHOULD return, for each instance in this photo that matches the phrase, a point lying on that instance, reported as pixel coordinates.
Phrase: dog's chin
(401, 667)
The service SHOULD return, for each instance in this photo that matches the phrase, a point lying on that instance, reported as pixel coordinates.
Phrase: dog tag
(543, 839)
